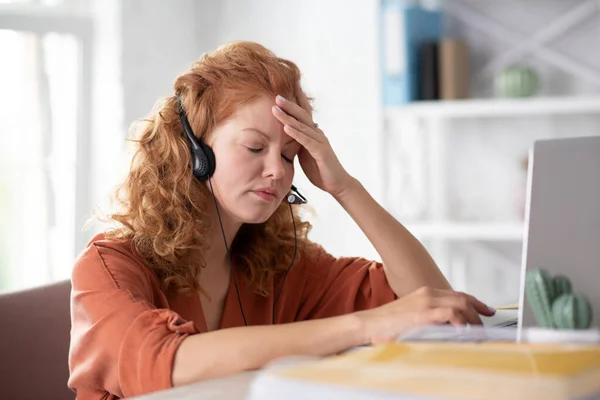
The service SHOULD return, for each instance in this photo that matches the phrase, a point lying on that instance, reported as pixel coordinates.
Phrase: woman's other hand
(425, 306)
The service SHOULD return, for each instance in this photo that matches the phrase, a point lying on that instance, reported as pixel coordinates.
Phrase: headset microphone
(296, 197)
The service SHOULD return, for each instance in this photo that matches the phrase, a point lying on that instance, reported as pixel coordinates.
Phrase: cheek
(231, 158)
(290, 174)
(236, 167)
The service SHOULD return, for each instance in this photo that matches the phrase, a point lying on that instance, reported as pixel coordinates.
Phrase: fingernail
(278, 108)
(281, 98)
(492, 310)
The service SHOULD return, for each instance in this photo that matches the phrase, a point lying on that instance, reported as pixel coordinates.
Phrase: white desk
(234, 387)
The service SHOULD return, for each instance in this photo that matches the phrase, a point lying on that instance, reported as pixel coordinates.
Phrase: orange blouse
(126, 330)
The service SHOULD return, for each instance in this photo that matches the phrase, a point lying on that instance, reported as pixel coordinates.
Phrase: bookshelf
(453, 171)
(429, 119)
(433, 123)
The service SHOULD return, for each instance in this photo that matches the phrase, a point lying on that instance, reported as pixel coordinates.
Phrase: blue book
(404, 28)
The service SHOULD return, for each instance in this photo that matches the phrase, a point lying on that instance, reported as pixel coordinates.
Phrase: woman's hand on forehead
(317, 158)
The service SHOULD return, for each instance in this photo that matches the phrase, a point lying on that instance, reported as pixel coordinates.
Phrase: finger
(306, 141)
(472, 316)
(302, 99)
(287, 119)
(481, 307)
(294, 110)
(446, 314)
(460, 302)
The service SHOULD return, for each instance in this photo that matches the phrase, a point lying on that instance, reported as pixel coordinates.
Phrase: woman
(208, 272)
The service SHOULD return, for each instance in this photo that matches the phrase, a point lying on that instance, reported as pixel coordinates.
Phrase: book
(429, 71)
(453, 69)
(404, 27)
(441, 370)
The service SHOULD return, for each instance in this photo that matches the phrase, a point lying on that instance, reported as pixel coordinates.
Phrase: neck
(216, 255)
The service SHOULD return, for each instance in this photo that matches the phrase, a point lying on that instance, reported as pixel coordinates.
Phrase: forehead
(255, 117)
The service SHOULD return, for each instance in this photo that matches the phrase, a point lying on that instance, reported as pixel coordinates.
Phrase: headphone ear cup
(203, 162)
(203, 158)
(208, 163)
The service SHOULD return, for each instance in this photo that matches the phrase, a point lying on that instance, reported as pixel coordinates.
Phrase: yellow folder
(457, 371)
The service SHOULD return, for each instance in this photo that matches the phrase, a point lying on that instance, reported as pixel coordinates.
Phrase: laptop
(562, 235)
(562, 221)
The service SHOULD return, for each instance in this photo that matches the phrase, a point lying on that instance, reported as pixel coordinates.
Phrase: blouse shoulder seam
(105, 267)
(98, 245)
(107, 270)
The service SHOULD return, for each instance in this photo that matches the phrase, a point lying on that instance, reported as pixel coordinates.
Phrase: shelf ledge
(497, 107)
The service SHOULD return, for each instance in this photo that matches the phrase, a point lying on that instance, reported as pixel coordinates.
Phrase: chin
(254, 215)
(254, 218)
(253, 212)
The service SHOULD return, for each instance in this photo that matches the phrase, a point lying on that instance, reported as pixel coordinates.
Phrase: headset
(203, 168)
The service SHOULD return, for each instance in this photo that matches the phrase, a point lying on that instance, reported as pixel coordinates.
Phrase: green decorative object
(539, 288)
(553, 303)
(562, 285)
(572, 311)
(517, 81)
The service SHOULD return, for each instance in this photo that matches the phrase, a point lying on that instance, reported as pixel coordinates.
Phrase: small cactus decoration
(540, 294)
(562, 285)
(554, 304)
(572, 311)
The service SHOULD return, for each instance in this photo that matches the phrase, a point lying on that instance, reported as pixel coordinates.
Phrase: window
(44, 145)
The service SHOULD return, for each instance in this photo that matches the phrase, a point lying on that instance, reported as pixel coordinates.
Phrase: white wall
(160, 42)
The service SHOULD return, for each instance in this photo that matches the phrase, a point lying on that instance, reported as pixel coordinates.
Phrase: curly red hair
(164, 209)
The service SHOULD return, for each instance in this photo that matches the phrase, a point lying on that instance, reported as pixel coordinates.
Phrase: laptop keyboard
(511, 323)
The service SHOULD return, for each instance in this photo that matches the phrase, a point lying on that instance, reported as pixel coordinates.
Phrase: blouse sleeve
(336, 286)
(120, 342)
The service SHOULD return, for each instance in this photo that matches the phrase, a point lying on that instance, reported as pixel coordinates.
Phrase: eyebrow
(265, 135)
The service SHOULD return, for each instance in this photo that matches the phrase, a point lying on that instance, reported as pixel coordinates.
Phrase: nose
(274, 167)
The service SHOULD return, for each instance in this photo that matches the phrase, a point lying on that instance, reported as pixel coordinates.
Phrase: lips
(268, 190)
(266, 193)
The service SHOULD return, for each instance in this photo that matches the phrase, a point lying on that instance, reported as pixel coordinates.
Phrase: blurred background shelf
(463, 102)
(474, 108)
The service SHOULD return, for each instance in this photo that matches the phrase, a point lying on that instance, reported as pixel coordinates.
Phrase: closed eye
(258, 150)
